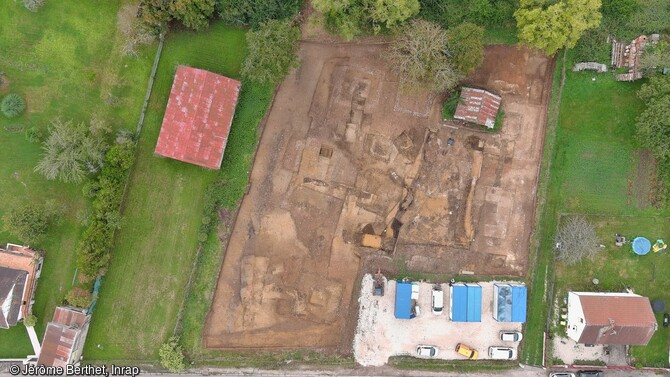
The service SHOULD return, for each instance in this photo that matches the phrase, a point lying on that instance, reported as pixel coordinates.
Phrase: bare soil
(343, 153)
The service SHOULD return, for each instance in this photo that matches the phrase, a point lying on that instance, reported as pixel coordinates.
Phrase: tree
(255, 12)
(73, 150)
(171, 355)
(657, 87)
(30, 321)
(419, 56)
(33, 5)
(134, 32)
(653, 124)
(12, 105)
(30, 221)
(391, 12)
(194, 14)
(552, 25)
(466, 46)
(575, 240)
(271, 52)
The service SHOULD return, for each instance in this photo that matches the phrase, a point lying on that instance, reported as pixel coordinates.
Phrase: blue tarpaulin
(466, 303)
(403, 300)
(509, 302)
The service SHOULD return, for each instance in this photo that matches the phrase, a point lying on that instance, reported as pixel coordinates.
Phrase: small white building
(610, 318)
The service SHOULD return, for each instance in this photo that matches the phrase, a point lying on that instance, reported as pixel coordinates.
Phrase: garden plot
(380, 335)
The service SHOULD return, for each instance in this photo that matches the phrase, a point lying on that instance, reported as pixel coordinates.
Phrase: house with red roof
(610, 318)
(478, 106)
(20, 267)
(198, 117)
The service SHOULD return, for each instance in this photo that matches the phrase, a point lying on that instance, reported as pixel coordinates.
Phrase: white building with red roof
(198, 117)
(610, 318)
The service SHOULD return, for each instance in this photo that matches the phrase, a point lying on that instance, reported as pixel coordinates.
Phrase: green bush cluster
(79, 297)
(94, 250)
(449, 13)
(213, 201)
(12, 105)
(255, 12)
(171, 355)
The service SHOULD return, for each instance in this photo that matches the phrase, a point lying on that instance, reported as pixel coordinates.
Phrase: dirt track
(341, 152)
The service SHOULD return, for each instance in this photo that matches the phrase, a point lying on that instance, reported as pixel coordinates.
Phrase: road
(360, 372)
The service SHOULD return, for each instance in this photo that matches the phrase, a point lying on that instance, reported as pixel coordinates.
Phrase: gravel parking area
(380, 335)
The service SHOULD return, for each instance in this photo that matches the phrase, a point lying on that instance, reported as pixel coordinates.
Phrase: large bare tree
(575, 240)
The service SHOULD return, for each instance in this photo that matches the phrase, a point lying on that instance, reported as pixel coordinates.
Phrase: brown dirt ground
(344, 150)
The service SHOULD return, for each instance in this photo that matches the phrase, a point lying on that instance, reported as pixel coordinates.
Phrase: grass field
(593, 158)
(145, 287)
(63, 61)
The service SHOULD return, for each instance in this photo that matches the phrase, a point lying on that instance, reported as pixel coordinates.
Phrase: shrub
(93, 252)
(255, 12)
(33, 5)
(30, 321)
(171, 355)
(34, 135)
(30, 221)
(12, 105)
(272, 51)
(79, 298)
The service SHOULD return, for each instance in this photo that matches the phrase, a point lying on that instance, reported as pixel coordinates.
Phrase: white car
(427, 352)
(511, 336)
(562, 374)
(502, 353)
(437, 305)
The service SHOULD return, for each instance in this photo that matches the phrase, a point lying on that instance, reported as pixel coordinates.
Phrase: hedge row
(93, 253)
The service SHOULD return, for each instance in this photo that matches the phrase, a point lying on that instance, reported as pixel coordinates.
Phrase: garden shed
(466, 302)
(478, 106)
(509, 302)
(198, 117)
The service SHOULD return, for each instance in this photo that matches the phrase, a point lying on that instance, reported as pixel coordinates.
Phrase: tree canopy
(255, 12)
(466, 46)
(194, 14)
(552, 25)
(72, 150)
(419, 56)
(351, 17)
(271, 52)
(30, 221)
(575, 240)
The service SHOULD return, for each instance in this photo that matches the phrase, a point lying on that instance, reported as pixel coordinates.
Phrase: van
(466, 351)
(502, 353)
(437, 300)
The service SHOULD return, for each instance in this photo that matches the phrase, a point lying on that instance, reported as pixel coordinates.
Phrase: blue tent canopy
(403, 300)
(466, 303)
(510, 302)
(519, 296)
(641, 246)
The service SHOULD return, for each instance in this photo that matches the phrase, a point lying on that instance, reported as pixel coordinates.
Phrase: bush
(33, 5)
(79, 298)
(450, 105)
(34, 135)
(575, 240)
(256, 12)
(30, 321)
(30, 221)
(271, 52)
(172, 356)
(93, 252)
(449, 13)
(12, 105)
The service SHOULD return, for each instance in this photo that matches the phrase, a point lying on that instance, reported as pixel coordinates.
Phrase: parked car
(437, 299)
(590, 373)
(502, 353)
(562, 374)
(466, 351)
(511, 336)
(427, 351)
(666, 319)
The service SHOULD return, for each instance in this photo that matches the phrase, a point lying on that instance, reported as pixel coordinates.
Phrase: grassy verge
(594, 158)
(63, 60)
(502, 35)
(407, 362)
(157, 243)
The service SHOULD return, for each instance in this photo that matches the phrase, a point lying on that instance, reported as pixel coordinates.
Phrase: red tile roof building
(478, 106)
(198, 117)
(610, 318)
(20, 267)
(64, 338)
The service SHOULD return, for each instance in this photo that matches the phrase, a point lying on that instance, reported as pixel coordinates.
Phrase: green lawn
(155, 248)
(593, 158)
(63, 61)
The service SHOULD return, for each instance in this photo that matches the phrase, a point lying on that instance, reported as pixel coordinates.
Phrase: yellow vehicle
(466, 351)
